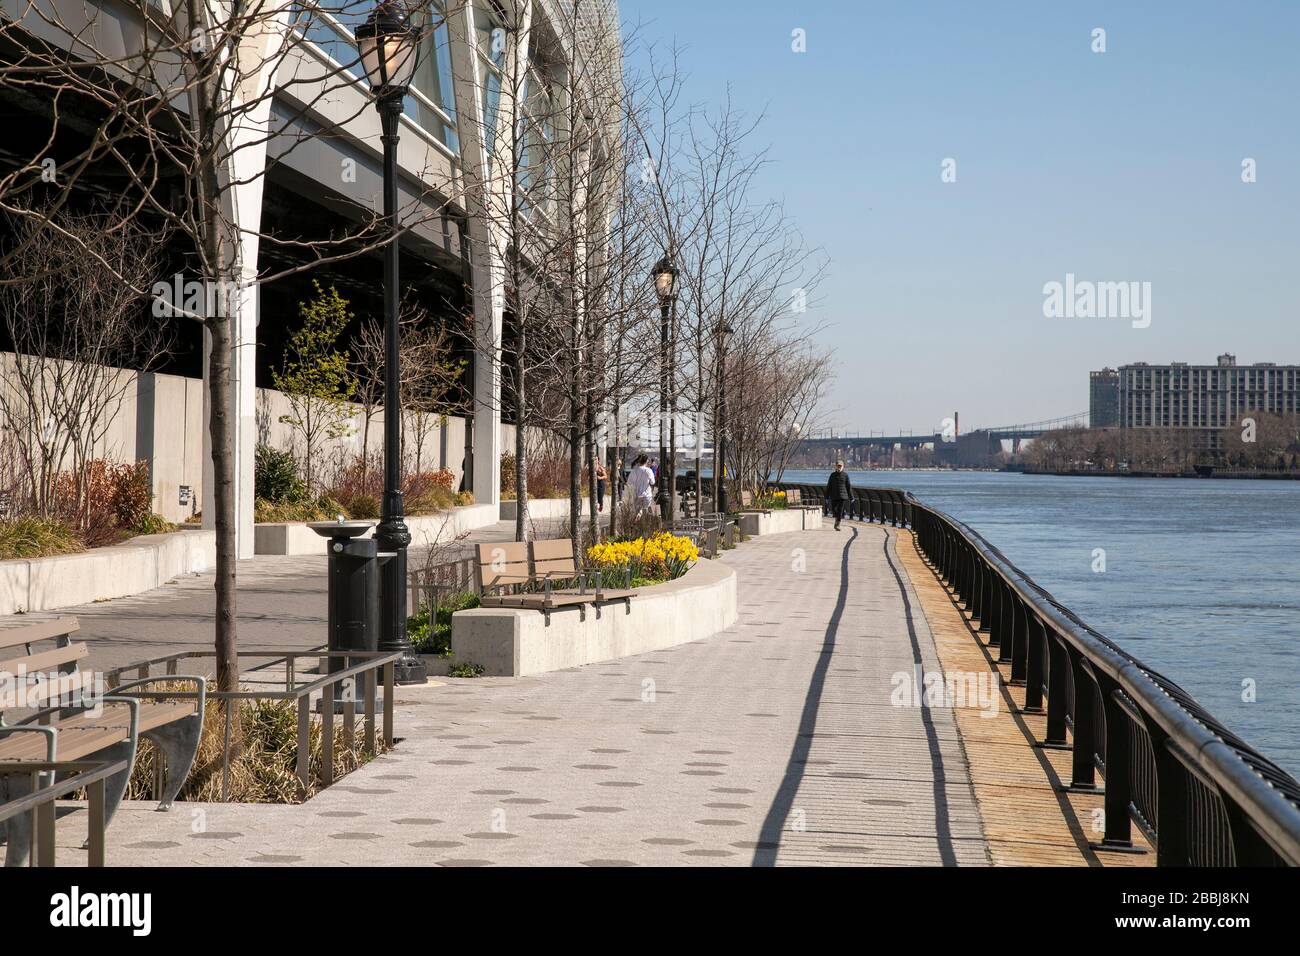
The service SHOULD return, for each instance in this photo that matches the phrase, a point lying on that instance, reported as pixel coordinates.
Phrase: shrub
(426, 493)
(324, 508)
(132, 495)
(360, 489)
(104, 500)
(37, 538)
(152, 524)
(275, 476)
(434, 636)
(465, 669)
(507, 475)
(361, 505)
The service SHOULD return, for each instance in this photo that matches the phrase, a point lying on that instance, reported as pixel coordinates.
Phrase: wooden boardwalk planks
(1026, 821)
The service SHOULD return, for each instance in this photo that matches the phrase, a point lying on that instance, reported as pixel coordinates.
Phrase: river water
(1201, 579)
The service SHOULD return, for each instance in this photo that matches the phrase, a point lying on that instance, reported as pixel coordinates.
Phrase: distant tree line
(1263, 441)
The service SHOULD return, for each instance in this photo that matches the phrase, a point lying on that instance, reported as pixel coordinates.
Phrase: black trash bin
(353, 596)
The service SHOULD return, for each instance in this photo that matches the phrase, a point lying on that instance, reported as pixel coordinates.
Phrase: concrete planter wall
(541, 509)
(780, 521)
(515, 643)
(296, 538)
(141, 564)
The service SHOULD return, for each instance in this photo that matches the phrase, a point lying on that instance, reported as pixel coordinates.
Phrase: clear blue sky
(1123, 165)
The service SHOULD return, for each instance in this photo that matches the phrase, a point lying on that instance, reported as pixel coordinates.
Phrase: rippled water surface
(1202, 577)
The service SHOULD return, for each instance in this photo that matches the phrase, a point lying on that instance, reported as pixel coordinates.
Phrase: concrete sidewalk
(281, 604)
(773, 742)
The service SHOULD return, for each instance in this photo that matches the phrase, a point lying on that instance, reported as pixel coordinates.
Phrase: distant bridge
(1014, 433)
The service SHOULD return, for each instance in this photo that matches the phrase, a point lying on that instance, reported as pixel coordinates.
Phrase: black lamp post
(720, 443)
(389, 48)
(665, 280)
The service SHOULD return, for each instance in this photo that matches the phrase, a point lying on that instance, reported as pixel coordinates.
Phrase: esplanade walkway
(795, 737)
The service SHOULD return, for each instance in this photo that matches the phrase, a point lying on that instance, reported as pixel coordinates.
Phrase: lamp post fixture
(389, 48)
(665, 281)
(720, 443)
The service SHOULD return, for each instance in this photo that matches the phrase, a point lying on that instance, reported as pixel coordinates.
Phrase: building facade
(1103, 398)
(1204, 399)
(306, 163)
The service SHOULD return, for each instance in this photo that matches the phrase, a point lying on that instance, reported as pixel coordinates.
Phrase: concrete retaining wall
(159, 419)
(542, 509)
(516, 643)
(296, 538)
(780, 521)
(141, 564)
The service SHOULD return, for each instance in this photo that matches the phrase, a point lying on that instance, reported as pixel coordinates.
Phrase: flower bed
(663, 557)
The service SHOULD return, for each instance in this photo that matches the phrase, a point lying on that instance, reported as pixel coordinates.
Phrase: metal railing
(1200, 794)
(425, 586)
(39, 802)
(332, 686)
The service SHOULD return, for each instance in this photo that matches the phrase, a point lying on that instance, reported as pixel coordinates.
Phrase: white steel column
(485, 189)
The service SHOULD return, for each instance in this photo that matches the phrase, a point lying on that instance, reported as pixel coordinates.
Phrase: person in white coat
(640, 487)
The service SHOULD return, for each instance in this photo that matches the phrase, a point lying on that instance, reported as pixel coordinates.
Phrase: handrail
(90, 774)
(1162, 754)
(376, 668)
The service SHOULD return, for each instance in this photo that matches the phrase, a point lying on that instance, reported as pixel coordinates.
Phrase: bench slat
(45, 659)
(48, 690)
(38, 631)
(72, 743)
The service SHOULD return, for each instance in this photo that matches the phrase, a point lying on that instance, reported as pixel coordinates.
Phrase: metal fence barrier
(89, 774)
(359, 670)
(1199, 793)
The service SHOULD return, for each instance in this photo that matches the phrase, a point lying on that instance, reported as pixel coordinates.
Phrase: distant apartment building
(1103, 398)
(1202, 399)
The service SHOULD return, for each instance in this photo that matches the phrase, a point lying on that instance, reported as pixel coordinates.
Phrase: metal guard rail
(1162, 755)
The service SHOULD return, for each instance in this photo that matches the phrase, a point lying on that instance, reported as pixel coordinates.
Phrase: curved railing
(1199, 793)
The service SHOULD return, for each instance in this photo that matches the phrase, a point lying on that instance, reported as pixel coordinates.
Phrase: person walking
(640, 487)
(838, 492)
(602, 476)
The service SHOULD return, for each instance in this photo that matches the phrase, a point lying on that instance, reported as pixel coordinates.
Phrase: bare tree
(182, 116)
(76, 329)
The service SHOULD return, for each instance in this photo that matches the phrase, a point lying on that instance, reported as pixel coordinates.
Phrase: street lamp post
(388, 45)
(665, 281)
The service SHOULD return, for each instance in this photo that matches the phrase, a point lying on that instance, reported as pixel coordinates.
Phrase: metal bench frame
(176, 739)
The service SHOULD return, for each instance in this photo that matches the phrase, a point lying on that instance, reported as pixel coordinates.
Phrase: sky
(1117, 166)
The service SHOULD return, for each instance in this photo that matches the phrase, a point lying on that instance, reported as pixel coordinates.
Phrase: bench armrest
(51, 735)
(133, 703)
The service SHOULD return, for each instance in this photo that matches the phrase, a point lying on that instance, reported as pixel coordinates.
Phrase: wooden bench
(747, 503)
(711, 541)
(65, 716)
(553, 559)
(794, 499)
(506, 567)
(503, 570)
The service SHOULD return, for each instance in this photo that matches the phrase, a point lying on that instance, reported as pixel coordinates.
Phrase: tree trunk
(223, 498)
(592, 455)
(521, 450)
(216, 237)
(575, 460)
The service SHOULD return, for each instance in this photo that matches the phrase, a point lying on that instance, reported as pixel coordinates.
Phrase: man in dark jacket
(838, 492)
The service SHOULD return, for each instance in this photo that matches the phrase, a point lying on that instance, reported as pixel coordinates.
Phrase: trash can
(353, 600)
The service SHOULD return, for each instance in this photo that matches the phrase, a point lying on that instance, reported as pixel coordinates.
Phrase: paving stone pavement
(281, 604)
(773, 742)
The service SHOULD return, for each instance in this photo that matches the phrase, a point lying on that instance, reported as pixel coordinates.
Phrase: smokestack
(956, 424)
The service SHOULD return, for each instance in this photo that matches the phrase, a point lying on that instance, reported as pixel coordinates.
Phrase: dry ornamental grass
(264, 744)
